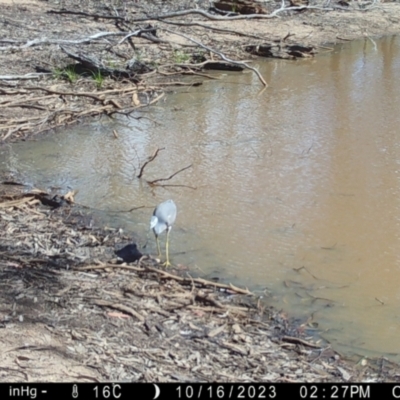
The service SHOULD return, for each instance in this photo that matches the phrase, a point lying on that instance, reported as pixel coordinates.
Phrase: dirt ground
(63, 61)
(70, 310)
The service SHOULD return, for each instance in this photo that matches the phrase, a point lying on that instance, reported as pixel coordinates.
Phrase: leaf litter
(71, 311)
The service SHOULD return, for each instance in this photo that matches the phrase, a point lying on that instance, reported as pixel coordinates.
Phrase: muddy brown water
(303, 174)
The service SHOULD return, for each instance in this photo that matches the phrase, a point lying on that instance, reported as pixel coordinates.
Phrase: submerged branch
(149, 160)
(170, 177)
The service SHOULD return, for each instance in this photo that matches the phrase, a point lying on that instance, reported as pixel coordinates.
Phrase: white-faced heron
(164, 216)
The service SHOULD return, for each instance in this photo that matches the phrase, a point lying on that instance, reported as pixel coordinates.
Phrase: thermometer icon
(75, 391)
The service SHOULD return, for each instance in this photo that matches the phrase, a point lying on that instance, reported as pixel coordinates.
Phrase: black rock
(129, 253)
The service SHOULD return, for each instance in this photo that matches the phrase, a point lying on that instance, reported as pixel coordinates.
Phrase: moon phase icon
(157, 389)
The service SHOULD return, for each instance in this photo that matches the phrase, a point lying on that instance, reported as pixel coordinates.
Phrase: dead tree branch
(84, 14)
(130, 210)
(183, 186)
(300, 8)
(170, 177)
(208, 64)
(213, 28)
(203, 14)
(38, 42)
(94, 65)
(241, 63)
(141, 33)
(167, 275)
(149, 160)
(23, 77)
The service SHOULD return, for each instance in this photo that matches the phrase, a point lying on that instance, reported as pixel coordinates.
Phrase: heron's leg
(167, 263)
(158, 246)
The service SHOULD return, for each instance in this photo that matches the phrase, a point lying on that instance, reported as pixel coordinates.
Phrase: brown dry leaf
(135, 99)
(69, 197)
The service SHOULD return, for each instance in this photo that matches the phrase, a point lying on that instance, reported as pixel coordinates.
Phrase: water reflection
(304, 174)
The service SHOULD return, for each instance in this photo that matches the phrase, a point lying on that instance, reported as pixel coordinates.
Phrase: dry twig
(189, 280)
(170, 177)
(221, 55)
(149, 160)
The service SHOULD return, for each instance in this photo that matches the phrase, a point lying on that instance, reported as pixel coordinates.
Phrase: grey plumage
(163, 218)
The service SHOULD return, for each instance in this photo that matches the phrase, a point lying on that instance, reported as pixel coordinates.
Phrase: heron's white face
(153, 221)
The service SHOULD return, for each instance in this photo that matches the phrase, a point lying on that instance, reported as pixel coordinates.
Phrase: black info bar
(177, 391)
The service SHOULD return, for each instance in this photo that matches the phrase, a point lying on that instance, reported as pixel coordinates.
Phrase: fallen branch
(205, 14)
(241, 63)
(39, 42)
(18, 202)
(28, 88)
(191, 72)
(141, 33)
(295, 340)
(213, 28)
(28, 106)
(200, 281)
(193, 84)
(208, 64)
(94, 65)
(170, 177)
(300, 8)
(120, 307)
(130, 210)
(23, 77)
(149, 160)
(61, 106)
(84, 14)
(183, 186)
(8, 103)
